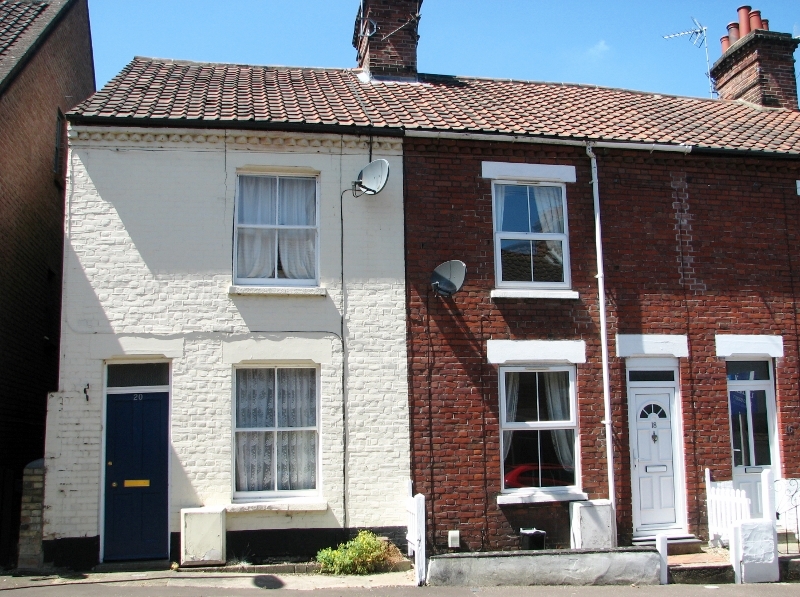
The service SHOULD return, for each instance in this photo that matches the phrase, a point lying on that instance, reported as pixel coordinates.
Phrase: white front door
(653, 471)
(751, 400)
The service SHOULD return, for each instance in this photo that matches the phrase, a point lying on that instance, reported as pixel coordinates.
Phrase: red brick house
(686, 211)
(46, 68)
(631, 269)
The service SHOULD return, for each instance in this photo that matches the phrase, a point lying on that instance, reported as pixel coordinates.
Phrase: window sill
(284, 505)
(277, 291)
(535, 294)
(541, 497)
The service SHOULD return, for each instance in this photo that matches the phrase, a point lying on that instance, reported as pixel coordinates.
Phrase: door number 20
(138, 396)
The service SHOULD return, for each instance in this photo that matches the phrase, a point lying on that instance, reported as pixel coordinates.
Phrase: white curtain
(255, 407)
(550, 214)
(297, 450)
(557, 387)
(256, 246)
(549, 209)
(297, 207)
(254, 461)
(512, 398)
(256, 403)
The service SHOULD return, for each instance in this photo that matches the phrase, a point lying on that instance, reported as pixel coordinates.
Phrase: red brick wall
(693, 245)
(58, 76)
(396, 55)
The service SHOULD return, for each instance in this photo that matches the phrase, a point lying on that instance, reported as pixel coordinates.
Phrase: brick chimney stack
(758, 67)
(385, 37)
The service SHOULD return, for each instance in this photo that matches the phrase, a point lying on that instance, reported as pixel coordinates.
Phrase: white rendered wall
(148, 253)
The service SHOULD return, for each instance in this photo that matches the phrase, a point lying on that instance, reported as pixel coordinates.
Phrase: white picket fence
(415, 536)
(725, 506)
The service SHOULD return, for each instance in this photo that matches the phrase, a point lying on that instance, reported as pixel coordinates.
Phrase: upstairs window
(530, 238)
(277, 232)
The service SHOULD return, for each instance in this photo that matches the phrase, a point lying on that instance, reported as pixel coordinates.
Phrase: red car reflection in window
(527, 475)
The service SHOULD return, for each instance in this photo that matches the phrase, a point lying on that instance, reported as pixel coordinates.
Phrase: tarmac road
(396, 584)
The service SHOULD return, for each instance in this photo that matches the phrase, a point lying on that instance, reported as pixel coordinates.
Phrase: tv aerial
(372, 178)
(448, 278)
(699, 39)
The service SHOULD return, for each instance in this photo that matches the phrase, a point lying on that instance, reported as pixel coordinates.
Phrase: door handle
(114, 484)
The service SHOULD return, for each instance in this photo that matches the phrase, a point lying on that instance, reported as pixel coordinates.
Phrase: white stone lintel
(652, 345)
(730, 345)
(533, 172)
(528, 351)
(312, 348)
(112, 346)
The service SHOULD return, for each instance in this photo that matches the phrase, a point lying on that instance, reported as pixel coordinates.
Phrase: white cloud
(598, 50)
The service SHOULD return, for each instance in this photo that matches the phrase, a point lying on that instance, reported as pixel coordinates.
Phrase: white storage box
(591, 524)
(203, 536)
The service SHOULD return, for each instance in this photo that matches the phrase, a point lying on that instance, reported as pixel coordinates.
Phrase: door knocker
(655, 437)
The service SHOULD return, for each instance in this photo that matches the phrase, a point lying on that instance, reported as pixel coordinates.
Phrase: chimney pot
(744, 20)
(755, 20)
(757, 68)
(765, 23)
(733, 32)
(726, 43)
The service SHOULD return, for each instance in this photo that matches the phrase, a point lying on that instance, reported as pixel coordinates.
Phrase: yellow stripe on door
(137, 483)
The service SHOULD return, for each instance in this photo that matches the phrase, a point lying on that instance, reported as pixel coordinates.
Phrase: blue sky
(617, 43)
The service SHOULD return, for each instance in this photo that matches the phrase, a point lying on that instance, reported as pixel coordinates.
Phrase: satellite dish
(372, 178)
(448, 278)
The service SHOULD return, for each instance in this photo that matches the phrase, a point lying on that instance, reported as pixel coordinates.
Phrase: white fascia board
(530, 351)
(516, 171)
(652, 345)
(729, 345)
(110, 346)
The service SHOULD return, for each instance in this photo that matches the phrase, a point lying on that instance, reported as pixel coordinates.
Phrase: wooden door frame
(676, 417)
(103, 439)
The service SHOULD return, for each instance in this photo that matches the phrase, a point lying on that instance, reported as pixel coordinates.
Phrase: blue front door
(136, 507)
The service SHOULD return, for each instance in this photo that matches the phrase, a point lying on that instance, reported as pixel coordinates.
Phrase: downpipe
(601, 301)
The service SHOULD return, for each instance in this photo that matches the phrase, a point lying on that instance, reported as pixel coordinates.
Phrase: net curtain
(294, 451)
(270, 201)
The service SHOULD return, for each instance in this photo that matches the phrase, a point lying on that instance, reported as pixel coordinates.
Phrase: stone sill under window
(277, 291)
(285, 505)
(541, 497)
(543, 293)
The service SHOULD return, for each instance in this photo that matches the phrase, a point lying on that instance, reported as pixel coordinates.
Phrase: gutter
(338, 129)
(247, 125)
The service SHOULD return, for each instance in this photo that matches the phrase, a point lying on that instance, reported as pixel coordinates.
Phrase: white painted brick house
(152, 307)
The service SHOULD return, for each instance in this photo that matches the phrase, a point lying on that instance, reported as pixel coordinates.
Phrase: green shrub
(362, 555)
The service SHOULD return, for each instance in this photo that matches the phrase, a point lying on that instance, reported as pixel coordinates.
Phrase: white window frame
(499, 236)
(275, 281)
(251, 496)
(572, 423)
(746, 385)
